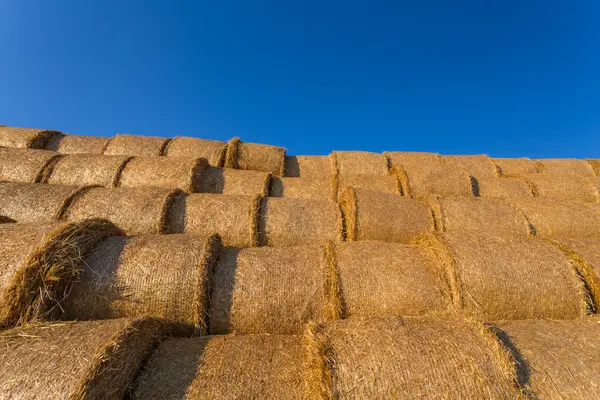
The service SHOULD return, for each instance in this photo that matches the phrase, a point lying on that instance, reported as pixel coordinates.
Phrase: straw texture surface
(302, 188)
(86, 169)
(566, 166)
(478, 166)
(25, 137)
(212, 150)
(386, 184)
(309, 167)
(503, 188)
(254, 156)
(563, 187)
(135, 145)
(76, 144)
(164, 172)
(24, 165)
(360, 163)
(235, 181)
(515, 166)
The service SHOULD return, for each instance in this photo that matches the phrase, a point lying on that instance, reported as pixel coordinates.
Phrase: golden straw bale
(515, 166)
(558, 359)
(26, 137)
(386, 279)
(254, 156)
(386, 184)
(302, 188)
(212, 150)
(136, 145)
(595, 164)
(86, 169)
(293, 222)
(164, 172)
(136, 211)
(309, 167)
(24, 165)
(566, 166)
(562, 187)
(78, 144)
(224, 367)
(370, 215)
(360, 163)
(234, 181)
(40, 262)
(74, 360)
(34, 202)
(436, 356)
(162, 276)
(503, 187)
(478, 166)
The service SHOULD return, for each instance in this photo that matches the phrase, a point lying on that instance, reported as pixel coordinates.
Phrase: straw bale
(24, 165)
(40, 262)
(78, 144)
(503, 188)
(224, 367)
(386, 184)
(212, 150)
(370, 215)
(86, 169)
(309, 167)
(136, 211)
(386, 279)
(481, 214)
(408, 357)
(558, 359)
(360, 163)
(254, 156)
(513, 277)
(562, 187)
(162, 276)
(164, 172)
(566, 166)
(233, 218)
(34, 202)
(235, 181)
(595, 164)
(269, 290)
(135, 145)
(515, 166)
(74, 360)
(25, 137)
(478, 166)
(302, 188)
(293, 222)
(424, 174)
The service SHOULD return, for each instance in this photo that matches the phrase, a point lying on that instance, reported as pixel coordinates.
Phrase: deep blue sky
(507, 78)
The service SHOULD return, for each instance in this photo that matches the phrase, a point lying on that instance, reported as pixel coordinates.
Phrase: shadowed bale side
(479, 166)
(385, 184)
(302, 188)
(360, 163)
(86, 169)
(309, 167)
(77, 144)
(515, 166)
(595, 164)
(503, 188)
(566, 166)
(5, 220)
(164, 172)
(224, 367)
(74, 360)
(26, 137)
(162, 276)
(562, 187)
(24, 165)
(211, 150)
(561, 358)
(254, 156)
(135, 145)
(234, 181)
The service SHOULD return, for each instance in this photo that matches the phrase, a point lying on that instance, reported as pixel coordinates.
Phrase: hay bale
(595, 164)
(370, 215)
(302, 188)
(502, 188)
(386, 279)
(254, 156)
(86, 169)
(234, 181)
(385, 184)
(270, 290)
(136, 211)
(78, 144)
(74, 360)
(565, 166)
(294, 222)
(515, 166)
(424, 174)
(164, 172)
(24, 165)
(212, 150)
(558, 359)
(360, 163)
(135, 145)
(233, 218)
(26, 137)
(479, 166)
(224, 367)
(161, 276)
(309, 167)
(34, 202)
(39, 263)
(562, 187)
(407, 357)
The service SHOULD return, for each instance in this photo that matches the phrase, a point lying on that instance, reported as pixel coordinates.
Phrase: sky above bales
(506, 78)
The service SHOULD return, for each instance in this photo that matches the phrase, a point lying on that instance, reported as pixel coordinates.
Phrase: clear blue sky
(507, 78)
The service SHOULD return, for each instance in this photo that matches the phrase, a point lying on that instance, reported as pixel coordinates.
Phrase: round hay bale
(558, 359)
(254, 156)
(566, 166)
(39, 263)
(562, 187)
(503, 188)
(515, 166)
(234, 181)
(224, 367)
(302, 188)
(136, 211)
(595, 164)
(233, 218)
(78, 144)
(34, 202)
(161, 276)
(309, 167)
(385, 184)
(478, 166)
(26, 137)
(293, 222)
(360, 163)
(407, 357)
(74, 360)
(386, 279)
(212, 150)
(24, 165)
(164, 172)
(86, 169)
(135, 145)
(370, 215)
